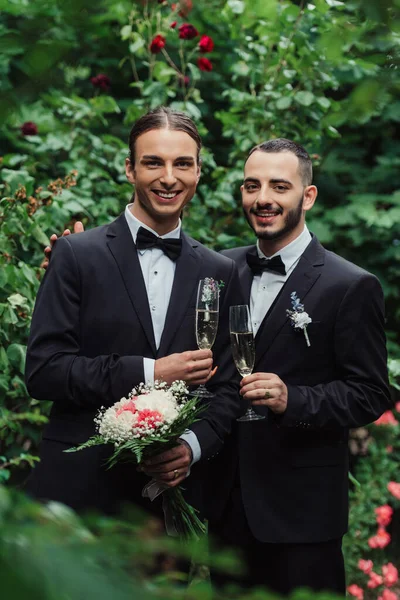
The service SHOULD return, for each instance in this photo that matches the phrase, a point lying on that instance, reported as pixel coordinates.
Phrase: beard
(290, 223)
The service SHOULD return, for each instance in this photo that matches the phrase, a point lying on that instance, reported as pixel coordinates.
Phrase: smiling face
(275, 199)
(165, 175)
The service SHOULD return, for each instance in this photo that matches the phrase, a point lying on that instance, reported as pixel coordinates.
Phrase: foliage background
(324, 73)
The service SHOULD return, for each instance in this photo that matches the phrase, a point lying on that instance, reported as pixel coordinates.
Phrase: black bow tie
(258, 265)
(170, 246)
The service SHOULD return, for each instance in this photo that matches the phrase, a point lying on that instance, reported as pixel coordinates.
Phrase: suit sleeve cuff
(191, 439)
(148, 367)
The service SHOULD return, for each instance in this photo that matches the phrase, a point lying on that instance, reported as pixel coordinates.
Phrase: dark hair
(283, 145)
(163, 118)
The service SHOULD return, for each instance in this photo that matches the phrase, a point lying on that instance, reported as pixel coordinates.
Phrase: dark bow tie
(258, 265)
(170, 246)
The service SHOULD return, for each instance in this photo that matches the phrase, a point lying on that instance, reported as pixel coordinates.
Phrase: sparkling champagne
(243, 351)
(206, 328)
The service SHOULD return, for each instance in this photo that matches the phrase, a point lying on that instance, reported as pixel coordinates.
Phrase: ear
(198, 173)
(310, 195)
(130, 171)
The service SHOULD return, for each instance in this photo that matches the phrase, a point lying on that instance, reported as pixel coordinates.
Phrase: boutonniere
(299, 318)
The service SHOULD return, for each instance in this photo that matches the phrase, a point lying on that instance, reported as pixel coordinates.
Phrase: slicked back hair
(163, 118)
(284, 145)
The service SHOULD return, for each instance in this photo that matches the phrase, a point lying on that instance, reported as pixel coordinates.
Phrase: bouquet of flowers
(146, 423)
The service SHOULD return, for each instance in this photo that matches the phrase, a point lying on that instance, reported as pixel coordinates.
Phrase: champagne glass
(207, 311)
(243, 348)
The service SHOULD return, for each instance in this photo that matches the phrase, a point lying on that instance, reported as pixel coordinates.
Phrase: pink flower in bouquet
(356, 591)
(384, 515)
(374, 580)
(173, 24)
(390, 574)
(157, 44)
(394, 489)
(206, 44)
(204, 64)
(388, 595)
(29, 128)
(380, 540)
(129, 406)
(187, 32)
(365, 566)
(387, 418)
(148, 419)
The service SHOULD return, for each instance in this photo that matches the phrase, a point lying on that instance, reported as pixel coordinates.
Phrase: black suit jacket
(90, 330)
(293, 469)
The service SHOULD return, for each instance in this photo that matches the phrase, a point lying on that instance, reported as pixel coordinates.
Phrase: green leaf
(137, 45)
(236, 6)
(324, 102)
(126, 32)
(17, 300)
(104, 104)
(163, 73)
(284, 102)
(304, 98)
(16, 354)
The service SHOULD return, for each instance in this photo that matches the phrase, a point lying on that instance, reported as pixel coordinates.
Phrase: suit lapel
(187, 275)
(123, 249)
(300, 281)
(245, 274)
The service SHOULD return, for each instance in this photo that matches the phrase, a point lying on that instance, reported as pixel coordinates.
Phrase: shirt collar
(292, 252)
(134, 224)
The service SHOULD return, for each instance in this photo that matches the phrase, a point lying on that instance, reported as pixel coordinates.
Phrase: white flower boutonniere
(299, 318)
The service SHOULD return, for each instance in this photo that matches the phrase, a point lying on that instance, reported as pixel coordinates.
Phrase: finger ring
(267, 394)
(176, 473)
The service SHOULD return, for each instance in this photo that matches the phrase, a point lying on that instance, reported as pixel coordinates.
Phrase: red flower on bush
(356, 591)
(387, 418)
(380, 540)
(388, 595)
(384, 515)
(390, 574)
(204, 64)
(374, 580)
(173, 24)
(394, 489)
(185, 6)
(101, 81)
(157, 44)
(29, 128)
(397, 407)
(206, 44)
(187, 32)
(184, 81)
(365, 566)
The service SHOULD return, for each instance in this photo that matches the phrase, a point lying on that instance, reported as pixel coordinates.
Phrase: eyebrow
(251, 180)
(280, 181)
(155, 157)
(254, 180)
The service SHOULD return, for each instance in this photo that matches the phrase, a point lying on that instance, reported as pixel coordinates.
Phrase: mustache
(254, 210)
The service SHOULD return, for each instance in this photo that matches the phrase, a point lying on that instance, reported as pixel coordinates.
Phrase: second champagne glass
(207, 312)
(243, 348)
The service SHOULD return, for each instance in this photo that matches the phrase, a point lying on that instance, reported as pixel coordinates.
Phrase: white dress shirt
(268, 284)
(158, 273)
